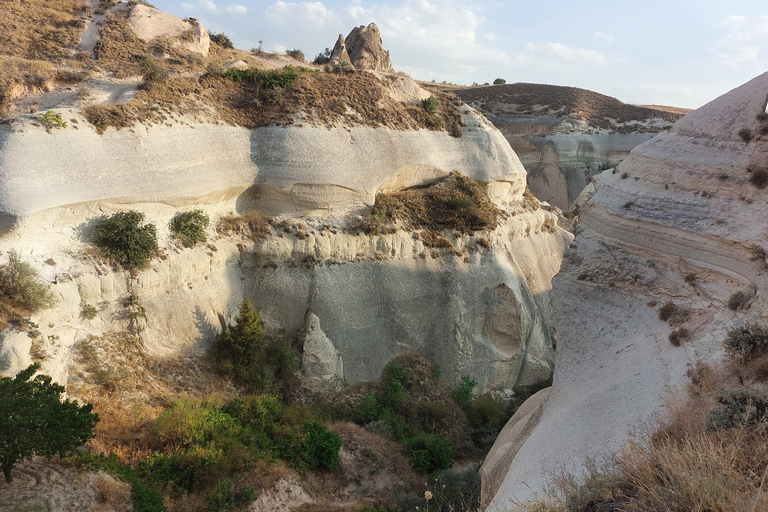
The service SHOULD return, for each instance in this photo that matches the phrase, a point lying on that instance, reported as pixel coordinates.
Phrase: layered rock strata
(565, 135)
(678, 222)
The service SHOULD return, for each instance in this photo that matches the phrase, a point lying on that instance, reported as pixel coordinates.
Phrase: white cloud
(204, 5)
(741, 45)
(302, 15)
(440, 35)
(236, 9)
(557, 53)
(604, 37)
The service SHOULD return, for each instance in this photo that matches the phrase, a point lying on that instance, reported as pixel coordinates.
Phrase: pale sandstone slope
(685, 208)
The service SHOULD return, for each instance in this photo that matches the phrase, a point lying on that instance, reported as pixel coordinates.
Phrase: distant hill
(597, 109)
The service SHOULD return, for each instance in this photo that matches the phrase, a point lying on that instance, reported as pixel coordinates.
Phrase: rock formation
(363, 49)
(150, 24)
(339, 55)
(321, 362)
(565, 135)
(678, 222)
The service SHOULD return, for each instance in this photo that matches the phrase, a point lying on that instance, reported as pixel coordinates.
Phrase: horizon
(679, 54)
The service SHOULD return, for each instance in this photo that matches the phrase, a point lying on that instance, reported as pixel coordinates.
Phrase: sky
(675, 52)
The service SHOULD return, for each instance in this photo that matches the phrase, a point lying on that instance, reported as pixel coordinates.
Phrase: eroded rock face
(680, 227)
(363, 49)
(150, 23)
(321, 362)
(565, 135)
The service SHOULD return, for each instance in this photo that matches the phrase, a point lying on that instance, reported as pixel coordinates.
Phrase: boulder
(150, 23)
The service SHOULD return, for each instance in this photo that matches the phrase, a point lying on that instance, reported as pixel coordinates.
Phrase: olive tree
(34, 420)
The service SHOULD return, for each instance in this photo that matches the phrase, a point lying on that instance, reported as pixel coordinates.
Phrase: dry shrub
(457, 203)
(110, 492)
(759, 178)
(253, 226)
(678, 336)
(673, 314)
(738, 300)
(745, 135)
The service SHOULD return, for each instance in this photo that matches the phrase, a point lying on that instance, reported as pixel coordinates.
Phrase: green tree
(499, 81)
(35, 421)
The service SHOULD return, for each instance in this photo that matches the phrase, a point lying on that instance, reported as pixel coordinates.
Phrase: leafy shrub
(21, 292)
(52, 120)
(738, 407)
(747, 342)
(465, 392)
(190, 422)
(759, 178)
(322, 446)
(152, 71)
(124, 239)
(429, 453)
(221, 39)
(431, 105)
(499, 81)
(296, 54)
(189, 227)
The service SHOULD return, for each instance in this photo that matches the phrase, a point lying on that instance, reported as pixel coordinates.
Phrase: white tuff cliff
(677, 222)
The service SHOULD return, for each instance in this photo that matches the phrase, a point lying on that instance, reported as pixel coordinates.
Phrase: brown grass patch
(456, 203)
(252, 226)
(119, 49)
(41, 29)
(673, 314)
(112, 493)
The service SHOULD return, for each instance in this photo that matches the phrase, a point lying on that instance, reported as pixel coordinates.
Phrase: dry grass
(129, 390)
(41, 29)
(119, 49)
(677, 462)
(252, 226)
(455, 203)
(322, 99)
(111, 494)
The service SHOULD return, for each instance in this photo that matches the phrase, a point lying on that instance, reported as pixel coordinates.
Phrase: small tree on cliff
(242, 350)
(35, 421)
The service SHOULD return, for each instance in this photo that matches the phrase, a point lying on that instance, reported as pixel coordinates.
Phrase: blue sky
(680, 53)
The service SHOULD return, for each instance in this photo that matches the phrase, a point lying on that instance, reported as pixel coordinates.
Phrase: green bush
(124, 239)
(221, 39)
(431, 105)
(189, 227)
(747, 342)
(20, 288)
(323, 57)
(322, 446)
(499, 81)
(272, 79)
(144, 497)
(52, 120)
(227, 495)
(429, 453)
